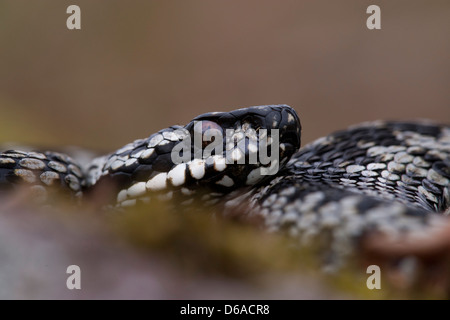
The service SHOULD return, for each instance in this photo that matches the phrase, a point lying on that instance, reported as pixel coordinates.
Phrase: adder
(386, 176)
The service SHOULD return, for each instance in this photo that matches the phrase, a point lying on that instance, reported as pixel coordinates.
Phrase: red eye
(209, 130)
(210, 125)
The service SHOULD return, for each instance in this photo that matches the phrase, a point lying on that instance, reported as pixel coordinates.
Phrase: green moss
(198, 243)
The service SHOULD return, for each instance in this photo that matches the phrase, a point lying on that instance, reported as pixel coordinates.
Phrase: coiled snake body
(392, 177)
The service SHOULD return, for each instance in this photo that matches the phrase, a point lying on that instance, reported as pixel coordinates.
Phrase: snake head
(253, 142)
(217, 152)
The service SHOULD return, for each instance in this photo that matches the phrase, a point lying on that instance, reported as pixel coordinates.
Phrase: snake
(382, 176)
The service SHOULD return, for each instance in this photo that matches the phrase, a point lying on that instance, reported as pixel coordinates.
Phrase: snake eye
(209, 131)
(208, 125)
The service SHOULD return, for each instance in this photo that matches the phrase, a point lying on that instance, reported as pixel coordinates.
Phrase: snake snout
(290, 131)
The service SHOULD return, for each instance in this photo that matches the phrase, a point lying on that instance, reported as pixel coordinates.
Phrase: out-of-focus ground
(36, 250)
(139, 66)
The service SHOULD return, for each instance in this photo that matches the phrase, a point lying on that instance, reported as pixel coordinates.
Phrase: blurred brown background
(139, 66)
